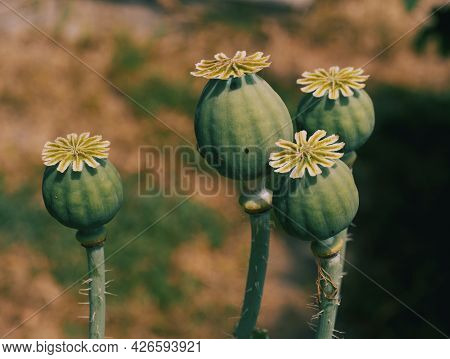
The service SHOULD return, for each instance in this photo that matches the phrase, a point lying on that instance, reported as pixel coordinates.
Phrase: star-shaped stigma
(306, 154)
(224, 67)
(76, 150)
(334, 81)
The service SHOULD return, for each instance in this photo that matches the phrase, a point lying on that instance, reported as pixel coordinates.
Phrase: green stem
(97, 303)
(329, 296)
(260, 224)
(329, 282)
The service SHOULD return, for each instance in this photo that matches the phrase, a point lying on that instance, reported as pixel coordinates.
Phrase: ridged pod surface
(237, 122)
(317, 207)
(352, 118)
(83, 200)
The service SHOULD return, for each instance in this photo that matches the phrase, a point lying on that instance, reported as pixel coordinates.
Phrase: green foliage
(154, 92)
(131, 69)
(243, 15)
(410, 4)
(127, 56)
(436, 30)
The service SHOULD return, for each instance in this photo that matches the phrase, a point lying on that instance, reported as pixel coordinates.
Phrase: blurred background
(185, 276)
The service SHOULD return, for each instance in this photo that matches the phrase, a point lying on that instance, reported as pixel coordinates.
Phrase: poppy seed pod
(239, 116)
(338, 104)
(319, 198)
(81, 188)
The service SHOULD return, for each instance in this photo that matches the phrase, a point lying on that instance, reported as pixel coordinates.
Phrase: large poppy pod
(239, 116)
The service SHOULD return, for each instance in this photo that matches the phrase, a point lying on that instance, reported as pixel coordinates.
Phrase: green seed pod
(351, 116)
(313, 203)
(239, 116)
(82, 190)
(81, 198)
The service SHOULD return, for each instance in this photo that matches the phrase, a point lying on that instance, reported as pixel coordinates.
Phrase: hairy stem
(329, 285)
(260, 224)
(97, 303)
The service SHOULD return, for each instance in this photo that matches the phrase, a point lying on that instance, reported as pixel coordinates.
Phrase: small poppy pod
(319, 198)
(347, 110)
(81, 188)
